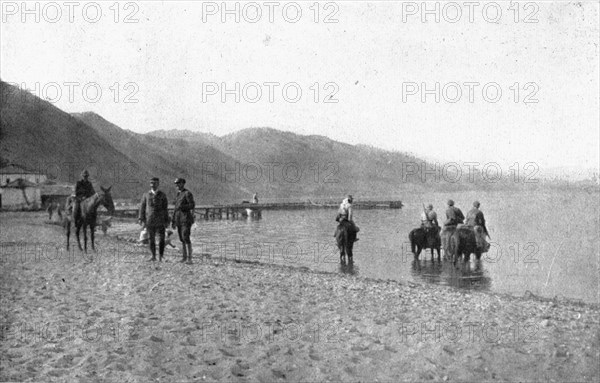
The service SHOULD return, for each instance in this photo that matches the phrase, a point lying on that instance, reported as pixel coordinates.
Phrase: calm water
(547, 243)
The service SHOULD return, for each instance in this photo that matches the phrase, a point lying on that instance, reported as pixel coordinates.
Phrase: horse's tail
(411, 237)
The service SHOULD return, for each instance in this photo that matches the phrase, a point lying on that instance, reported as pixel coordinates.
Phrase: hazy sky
(376, 57)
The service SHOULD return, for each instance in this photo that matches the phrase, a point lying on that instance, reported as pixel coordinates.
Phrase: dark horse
(89, 209)
(345, 240)
(420, 239)
(463, 243)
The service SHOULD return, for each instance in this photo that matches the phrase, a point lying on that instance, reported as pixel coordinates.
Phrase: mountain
(278, 165)
(37, 135)
(169, 159)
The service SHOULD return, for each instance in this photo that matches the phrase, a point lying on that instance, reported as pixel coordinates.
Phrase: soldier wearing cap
(183, 218)
(83, 189)
(454, 215)
(476, 220)
(345, 217)
(429, 218)
(154, 216)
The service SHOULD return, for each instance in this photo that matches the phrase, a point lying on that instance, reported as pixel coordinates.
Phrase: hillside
(39, 136)
(278, 165)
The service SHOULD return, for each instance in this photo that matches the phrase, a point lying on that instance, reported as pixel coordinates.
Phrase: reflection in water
(305, 238)
(466, 276)
(348, 268)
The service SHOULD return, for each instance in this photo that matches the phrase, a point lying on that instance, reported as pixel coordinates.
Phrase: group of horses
(461, 241)
(457, 241)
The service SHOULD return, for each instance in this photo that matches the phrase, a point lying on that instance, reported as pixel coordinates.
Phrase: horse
(420, 239)
(445, 235)
(89, 208)
(345, 241)
(463, 243)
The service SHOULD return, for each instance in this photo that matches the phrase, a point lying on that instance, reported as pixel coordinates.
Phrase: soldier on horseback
(430, 224)
(344, 217)
(83, 189)
(429, 218)
(476, 220)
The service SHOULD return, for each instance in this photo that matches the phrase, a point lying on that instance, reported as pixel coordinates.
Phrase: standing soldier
(155, 217)
(183, 218)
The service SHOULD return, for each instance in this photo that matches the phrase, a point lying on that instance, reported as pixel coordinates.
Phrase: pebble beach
(111, 315)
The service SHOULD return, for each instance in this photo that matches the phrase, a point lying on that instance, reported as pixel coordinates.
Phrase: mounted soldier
(476, 220)
(454, 215)
(344, 217)
(429, 218)
(83, 189)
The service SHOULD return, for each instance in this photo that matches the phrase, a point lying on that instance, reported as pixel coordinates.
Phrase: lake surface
(546, 243)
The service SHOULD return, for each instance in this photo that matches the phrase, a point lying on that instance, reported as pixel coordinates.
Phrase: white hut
(20, 194)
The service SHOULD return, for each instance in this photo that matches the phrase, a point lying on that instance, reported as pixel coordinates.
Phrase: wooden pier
(254, 210)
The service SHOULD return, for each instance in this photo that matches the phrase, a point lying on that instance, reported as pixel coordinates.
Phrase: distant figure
(454, 215)
(105, 224)
(50, 210)
(154, 216)
(83, 189)
(183, 218)
(345, 217)
(255, 198)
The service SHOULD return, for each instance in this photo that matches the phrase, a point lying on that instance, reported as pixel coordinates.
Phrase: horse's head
(106, 200)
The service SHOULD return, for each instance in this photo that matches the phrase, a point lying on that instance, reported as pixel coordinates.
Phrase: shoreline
(242, 321)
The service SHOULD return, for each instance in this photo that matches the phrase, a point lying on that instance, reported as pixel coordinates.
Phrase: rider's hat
(154, 179)
(450, 202)
(85, 173)
(179, 181)
(430, 206)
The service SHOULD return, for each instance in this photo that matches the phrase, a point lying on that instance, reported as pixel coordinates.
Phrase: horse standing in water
(345, 241)
(420, 239)
(89, 209)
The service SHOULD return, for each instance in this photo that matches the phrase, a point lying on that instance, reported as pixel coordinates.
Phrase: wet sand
(113, 316)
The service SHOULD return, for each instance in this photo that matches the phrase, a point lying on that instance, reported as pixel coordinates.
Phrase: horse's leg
(85, 226)
(349, 251)
(67, 226)
(77, 230)
(92, 228)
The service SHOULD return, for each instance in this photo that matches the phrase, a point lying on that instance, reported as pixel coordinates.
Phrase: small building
(11, 173)
(20, 194)
(58, 193)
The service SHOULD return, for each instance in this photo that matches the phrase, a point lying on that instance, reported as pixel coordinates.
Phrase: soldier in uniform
(454, 215)
(154, 216)
(83, 189)
(429, 222)
(183, 218)
(345, 217)
(476, 220)
(429, 218)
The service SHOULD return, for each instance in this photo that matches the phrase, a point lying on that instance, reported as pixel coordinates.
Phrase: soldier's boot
(189, 257)
(184, 252)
